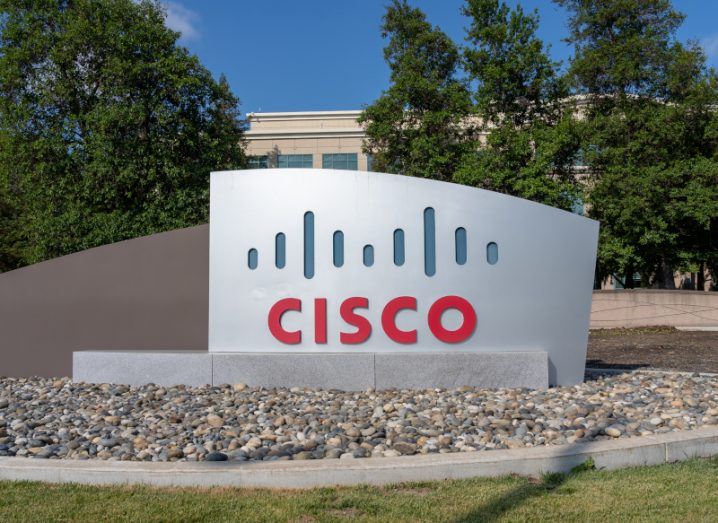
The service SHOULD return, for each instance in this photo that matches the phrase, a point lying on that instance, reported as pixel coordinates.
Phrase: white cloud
(183, 20)
(710, 45)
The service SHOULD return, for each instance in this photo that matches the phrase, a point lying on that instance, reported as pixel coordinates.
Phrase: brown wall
(146, 293)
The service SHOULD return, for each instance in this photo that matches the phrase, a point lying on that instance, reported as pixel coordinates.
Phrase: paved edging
(606, 454)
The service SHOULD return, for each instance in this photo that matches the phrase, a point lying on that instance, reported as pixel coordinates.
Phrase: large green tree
(417, 126)
(521, 106)
(112, 127)
(10, 232)
(649, 137)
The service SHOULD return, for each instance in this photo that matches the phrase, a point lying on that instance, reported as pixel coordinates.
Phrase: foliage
(516, 80)
(415, 127)
(504, 125)
(622, 46)
(530, 139)
(112, 128)
(649, 137)
(9, 232)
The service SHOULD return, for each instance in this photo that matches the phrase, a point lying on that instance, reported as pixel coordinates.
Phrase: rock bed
(56, 418)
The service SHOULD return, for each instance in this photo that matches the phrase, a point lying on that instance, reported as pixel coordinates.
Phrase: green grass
(681, 492)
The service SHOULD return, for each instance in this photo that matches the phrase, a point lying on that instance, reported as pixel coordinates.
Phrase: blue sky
(284, 55)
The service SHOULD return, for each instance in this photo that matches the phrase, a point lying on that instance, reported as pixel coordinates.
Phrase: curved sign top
(313, 260)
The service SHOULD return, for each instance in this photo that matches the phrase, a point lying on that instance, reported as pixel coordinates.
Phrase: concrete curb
(607, 454)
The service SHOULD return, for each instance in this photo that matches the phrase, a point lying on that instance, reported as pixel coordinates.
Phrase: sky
(319, 55)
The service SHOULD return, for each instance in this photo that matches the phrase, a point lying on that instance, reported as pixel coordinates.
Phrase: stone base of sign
(344, 371)
(143, 366)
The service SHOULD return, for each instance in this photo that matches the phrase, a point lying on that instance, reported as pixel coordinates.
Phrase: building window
(340, 161)
(369, 162)
(257, 162)
(294, 160)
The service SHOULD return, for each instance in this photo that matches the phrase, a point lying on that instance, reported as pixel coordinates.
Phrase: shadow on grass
(493, 510)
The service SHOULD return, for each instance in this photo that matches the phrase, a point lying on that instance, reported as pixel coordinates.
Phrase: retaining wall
(637, 308)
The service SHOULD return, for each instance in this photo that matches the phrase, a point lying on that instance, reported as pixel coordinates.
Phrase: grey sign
(314, 239)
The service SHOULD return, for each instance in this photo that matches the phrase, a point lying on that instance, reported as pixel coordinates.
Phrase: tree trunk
(628, 278)
(664, 276)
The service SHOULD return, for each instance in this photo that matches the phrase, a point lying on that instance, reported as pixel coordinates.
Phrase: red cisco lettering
(347, 311)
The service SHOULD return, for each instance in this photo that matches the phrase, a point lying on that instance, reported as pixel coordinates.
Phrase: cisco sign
(310, 260)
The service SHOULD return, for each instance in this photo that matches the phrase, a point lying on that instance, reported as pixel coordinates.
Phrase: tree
(9, 230)
(417, 126)
(649, 137)
(520, 100)
(112, 128)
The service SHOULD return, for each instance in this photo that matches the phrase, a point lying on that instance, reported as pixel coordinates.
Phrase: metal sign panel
(312, 260)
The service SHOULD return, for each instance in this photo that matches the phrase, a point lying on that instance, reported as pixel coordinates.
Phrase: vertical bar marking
(461, 249)
(399, 252)
(309, 244)
(492, 253)
(252, 258)
(368, 255)
(429, 242)
(280, 250)
(338, 248)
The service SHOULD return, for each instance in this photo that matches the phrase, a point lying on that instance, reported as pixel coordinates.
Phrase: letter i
(320, 320)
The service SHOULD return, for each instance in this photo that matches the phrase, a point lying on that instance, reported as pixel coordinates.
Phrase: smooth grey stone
(216, 456)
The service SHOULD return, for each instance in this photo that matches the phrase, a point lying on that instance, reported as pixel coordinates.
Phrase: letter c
(388, 319)
(275, 320)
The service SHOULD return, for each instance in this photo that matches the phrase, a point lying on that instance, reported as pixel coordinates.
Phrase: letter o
(467, 327)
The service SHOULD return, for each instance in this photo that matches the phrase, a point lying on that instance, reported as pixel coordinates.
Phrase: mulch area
(662, 348)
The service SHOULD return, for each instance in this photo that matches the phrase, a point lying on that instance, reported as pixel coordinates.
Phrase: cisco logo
(348, 307)
(399, 251)
(312, 260)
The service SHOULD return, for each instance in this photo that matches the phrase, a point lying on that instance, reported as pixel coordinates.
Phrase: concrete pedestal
(344, 371)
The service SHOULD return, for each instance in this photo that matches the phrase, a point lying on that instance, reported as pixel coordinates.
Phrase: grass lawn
(680, 492)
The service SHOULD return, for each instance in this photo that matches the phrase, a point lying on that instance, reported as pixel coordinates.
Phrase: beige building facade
(318, 139)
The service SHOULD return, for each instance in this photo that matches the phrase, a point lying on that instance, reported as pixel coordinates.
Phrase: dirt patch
(653, 348)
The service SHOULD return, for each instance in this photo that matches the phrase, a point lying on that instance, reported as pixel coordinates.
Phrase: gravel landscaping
(56, 418)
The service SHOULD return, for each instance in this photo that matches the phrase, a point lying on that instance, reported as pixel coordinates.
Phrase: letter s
(360, 322)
